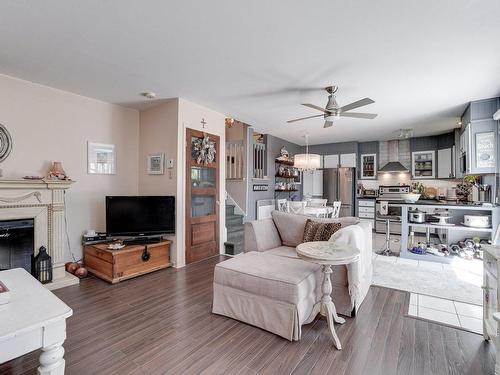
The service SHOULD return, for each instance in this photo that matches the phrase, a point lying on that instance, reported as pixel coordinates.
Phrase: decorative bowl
(410, 197)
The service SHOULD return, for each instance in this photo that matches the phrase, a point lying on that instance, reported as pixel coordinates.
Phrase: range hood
(393, 166)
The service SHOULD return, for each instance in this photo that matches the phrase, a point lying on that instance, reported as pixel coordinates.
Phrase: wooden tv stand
(131, 261)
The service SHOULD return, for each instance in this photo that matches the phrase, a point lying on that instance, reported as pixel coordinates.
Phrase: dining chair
(296, 207)
(281, 205)
(336, 209)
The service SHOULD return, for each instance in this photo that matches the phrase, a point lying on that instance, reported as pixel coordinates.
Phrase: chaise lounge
(270, 287)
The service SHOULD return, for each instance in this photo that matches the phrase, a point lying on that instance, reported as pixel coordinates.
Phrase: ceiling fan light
(307, 162)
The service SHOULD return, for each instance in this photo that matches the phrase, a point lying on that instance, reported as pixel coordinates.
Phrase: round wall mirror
(5, 143)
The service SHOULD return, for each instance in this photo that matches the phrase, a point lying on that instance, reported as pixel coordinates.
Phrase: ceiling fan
(332, 109)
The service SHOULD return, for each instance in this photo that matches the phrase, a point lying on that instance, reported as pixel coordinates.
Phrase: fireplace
(40, 204)
(17, 241)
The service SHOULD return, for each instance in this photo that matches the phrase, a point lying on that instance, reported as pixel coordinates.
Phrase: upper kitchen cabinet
(368, 160)
(368, 166)
(331, 161)
(423, 164)
(342, 160)
(348, 160)
(478, 139)
(445, 163)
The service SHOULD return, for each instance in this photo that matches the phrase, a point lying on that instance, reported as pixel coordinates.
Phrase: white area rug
(459, 281)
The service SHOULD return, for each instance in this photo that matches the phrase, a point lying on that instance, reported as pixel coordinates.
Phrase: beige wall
(52, 125)
(158, 134)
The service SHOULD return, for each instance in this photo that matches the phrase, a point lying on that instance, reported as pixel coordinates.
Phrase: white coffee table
(34, 318)
(327, 254)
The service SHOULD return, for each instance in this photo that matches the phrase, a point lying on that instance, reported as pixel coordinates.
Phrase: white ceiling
(421, 61)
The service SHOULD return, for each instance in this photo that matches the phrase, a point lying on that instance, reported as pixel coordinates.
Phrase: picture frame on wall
(156, 164)
(101, 158)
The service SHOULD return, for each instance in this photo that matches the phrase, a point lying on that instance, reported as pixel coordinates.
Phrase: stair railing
(235, 152)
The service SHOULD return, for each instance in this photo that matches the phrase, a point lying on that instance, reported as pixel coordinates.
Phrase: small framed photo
(156, 163)
(101, 158)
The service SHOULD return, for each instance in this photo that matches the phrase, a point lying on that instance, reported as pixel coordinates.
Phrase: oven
(392, 196)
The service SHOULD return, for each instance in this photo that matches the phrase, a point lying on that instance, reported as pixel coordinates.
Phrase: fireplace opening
(17, 242)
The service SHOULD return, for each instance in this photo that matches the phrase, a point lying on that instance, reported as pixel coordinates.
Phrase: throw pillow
(315, 231)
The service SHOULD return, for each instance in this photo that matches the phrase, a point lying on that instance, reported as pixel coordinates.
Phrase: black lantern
(42, 266)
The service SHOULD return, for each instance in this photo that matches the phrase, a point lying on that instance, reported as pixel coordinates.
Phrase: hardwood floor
(161, 323)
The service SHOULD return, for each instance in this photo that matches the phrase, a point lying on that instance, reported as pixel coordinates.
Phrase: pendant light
(307, 161)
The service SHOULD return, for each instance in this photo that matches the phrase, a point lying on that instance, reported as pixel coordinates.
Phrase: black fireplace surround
(17, 241)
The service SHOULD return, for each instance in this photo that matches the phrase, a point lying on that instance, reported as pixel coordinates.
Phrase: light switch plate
(170, 163)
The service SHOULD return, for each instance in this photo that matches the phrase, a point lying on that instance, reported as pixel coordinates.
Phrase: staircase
(235, 231)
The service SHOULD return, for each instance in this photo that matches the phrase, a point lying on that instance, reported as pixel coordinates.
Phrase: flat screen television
(140, 216)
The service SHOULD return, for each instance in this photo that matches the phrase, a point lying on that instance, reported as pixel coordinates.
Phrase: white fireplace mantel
(43, 201)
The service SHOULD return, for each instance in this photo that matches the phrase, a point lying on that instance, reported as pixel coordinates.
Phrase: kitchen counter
(449, 204)
(455, 233)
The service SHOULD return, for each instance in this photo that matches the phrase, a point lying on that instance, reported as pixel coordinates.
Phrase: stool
(386, 250)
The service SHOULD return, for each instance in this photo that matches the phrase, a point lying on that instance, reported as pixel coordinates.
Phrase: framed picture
(101, 158)
(156, 163)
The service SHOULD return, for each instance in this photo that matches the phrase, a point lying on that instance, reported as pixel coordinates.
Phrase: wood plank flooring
(161, 324)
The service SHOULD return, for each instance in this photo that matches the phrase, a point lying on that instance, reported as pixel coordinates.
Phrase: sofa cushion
(284, 251)
(315, 231)
(281, 278)
(291, 226)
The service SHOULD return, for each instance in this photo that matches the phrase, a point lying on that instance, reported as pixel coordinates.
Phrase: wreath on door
(203, 150)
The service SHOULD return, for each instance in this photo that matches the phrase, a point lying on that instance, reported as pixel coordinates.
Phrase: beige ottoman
(271, 292)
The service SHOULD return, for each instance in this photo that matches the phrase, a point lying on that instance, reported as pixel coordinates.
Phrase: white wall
(190, 116)
(52, 125)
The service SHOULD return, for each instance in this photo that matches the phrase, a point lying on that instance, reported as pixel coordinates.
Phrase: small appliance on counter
(416, 216)
(369, 193)
(477, 221)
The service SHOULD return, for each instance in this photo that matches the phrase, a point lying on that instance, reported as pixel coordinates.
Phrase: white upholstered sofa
(270, 287)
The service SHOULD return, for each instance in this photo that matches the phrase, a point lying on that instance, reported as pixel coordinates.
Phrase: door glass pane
(202, 205)
(202, 177)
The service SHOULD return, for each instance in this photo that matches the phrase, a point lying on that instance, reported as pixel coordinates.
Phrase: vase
(57, 171)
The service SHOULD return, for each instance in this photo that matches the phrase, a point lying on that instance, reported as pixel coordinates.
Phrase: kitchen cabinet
(331, 161)
(445, 163)
(312, 183)
(368, 166)
(348, 160)
(423, 164)
(479, 138)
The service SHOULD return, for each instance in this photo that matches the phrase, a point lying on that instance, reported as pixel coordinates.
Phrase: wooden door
(202, 199)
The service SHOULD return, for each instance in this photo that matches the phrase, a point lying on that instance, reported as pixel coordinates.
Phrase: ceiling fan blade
(314, 107)
(304, 118)
(370, 116)
(328, 124)
(359, 103)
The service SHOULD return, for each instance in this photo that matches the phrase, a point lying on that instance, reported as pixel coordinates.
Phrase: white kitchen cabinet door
(307, 183)
(331, 161)
(318, 183)
(312, 183)
(348, 160)
(445, 163)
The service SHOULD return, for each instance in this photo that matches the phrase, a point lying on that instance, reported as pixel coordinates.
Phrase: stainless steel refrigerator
(338, 185)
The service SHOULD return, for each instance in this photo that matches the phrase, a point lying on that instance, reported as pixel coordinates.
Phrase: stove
(389, 203)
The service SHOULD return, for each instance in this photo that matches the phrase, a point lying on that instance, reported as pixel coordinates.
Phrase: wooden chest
(131, 261)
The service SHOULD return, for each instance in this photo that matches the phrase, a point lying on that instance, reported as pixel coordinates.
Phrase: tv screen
(140, 216)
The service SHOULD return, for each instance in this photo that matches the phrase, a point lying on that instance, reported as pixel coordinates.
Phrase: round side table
(327, 254)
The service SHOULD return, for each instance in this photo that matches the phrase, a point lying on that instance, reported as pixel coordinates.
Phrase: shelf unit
(450, 227)
(287, 178)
